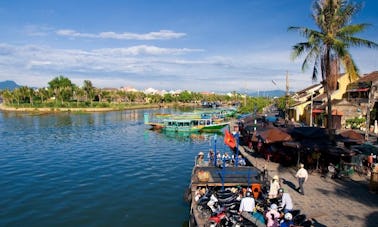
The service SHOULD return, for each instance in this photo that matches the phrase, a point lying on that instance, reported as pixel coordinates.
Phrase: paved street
(329, 202)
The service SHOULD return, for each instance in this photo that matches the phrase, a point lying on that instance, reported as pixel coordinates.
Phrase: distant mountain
(8, 84)
(272, 93)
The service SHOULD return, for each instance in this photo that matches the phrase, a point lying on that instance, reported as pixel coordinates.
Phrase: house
(311, 103)
(359, 95)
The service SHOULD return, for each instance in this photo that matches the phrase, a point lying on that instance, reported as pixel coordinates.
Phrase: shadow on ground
(372, 219)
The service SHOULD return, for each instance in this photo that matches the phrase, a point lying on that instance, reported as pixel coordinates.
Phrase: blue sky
(198, 45)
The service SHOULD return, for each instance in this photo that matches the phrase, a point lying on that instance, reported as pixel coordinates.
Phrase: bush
(355, 123)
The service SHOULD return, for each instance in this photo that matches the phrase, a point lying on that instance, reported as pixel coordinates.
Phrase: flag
(229, 139)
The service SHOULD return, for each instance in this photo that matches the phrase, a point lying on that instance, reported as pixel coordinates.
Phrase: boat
(215, 177)
(218, 180)
(215, 192)
(178, 124)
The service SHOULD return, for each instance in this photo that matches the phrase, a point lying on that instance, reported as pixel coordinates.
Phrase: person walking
(302, 176)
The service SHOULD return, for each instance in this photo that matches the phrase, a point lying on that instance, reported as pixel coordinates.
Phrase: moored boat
(177, 124)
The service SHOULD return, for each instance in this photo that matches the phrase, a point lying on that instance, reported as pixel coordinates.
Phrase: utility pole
(311, 108)
(287, 99)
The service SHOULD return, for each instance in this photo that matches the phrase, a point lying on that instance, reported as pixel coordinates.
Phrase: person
(241, 161)
(200, 161)
(199, 193)
(210, 157)
(226, 159)
(274, 186)
(286, 201)
(272, 216)
(247, 204)
(302, 176)
(288, 220)
(370, 160)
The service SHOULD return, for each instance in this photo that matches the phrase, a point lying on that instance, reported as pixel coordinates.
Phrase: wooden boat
(215, 177)
(178, 124)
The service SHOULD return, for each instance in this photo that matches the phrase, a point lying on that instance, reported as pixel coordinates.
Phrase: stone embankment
(328, 202)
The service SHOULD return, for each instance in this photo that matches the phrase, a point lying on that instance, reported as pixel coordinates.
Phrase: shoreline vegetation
(92, 109)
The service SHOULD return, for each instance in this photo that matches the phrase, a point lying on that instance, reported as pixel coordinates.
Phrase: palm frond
(358, 42)
(352, 29)
(350, 66)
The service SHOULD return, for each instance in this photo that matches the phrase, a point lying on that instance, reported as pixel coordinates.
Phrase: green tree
(7, 96)
(329, 46)
(89, 90)
(62, 87)
(185, 96)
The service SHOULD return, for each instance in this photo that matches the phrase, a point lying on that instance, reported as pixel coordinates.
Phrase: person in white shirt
(302, 176)
(247, 203)
(286, 201)
(274, 186)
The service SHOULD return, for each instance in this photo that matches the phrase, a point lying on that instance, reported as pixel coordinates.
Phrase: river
(93, 169)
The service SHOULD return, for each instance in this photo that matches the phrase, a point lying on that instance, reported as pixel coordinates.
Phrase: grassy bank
(89, 109)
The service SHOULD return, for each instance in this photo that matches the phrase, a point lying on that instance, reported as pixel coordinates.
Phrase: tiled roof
(368, 77)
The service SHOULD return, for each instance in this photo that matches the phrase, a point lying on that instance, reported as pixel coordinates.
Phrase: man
(247, 203)
(302, 176)
(286, 201)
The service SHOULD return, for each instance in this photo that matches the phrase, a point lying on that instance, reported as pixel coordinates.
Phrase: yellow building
(310, 104)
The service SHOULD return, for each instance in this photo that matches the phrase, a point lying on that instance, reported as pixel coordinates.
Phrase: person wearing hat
(286, 201)
(247, 204)
(200, 160)
(287, 221)
(302, 176)
(274, 186)
(272, 216)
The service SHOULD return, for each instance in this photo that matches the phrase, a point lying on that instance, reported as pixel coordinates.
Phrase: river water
(93, 169)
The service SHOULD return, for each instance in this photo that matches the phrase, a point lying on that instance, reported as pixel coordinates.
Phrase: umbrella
(351, 135)
(273, 135)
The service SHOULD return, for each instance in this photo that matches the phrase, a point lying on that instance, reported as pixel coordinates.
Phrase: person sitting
(200, 160)
(226, 159)
(286, 201)
(274, 186)
(272, 216)
(241, 161)
(288, 220)
(210, 157)
(247, 204)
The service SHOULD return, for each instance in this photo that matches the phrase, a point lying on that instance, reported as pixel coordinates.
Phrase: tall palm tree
(329, 46)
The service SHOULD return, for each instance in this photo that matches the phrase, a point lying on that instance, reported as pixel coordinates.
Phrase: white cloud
(145, 50)
(160, 35)
(151, 66)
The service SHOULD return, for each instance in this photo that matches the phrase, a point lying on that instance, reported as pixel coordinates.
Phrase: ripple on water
(100, 169)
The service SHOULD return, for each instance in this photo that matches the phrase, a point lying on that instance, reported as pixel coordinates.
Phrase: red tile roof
(369, 77)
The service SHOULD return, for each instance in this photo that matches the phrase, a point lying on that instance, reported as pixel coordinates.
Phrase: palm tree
(329, 46)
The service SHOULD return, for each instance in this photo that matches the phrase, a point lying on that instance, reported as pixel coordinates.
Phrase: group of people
(278, 214)
(226, 159)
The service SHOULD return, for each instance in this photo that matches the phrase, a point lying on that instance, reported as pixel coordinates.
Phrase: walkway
(328, 202)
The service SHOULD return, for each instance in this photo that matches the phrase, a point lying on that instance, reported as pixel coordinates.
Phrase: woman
(274, 186)
(200, 160)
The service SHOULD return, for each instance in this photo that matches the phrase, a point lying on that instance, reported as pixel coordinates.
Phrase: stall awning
(358, 90)
(317, 111)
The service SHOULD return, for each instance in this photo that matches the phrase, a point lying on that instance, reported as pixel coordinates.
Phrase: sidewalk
(329, 202)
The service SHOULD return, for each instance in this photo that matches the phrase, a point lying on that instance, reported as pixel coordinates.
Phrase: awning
(337, 112)
(358, 89)
(317, 111)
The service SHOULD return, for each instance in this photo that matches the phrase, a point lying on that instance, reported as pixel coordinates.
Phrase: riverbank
(91, 109)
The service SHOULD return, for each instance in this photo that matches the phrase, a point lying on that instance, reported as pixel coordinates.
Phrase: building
(351, 99)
